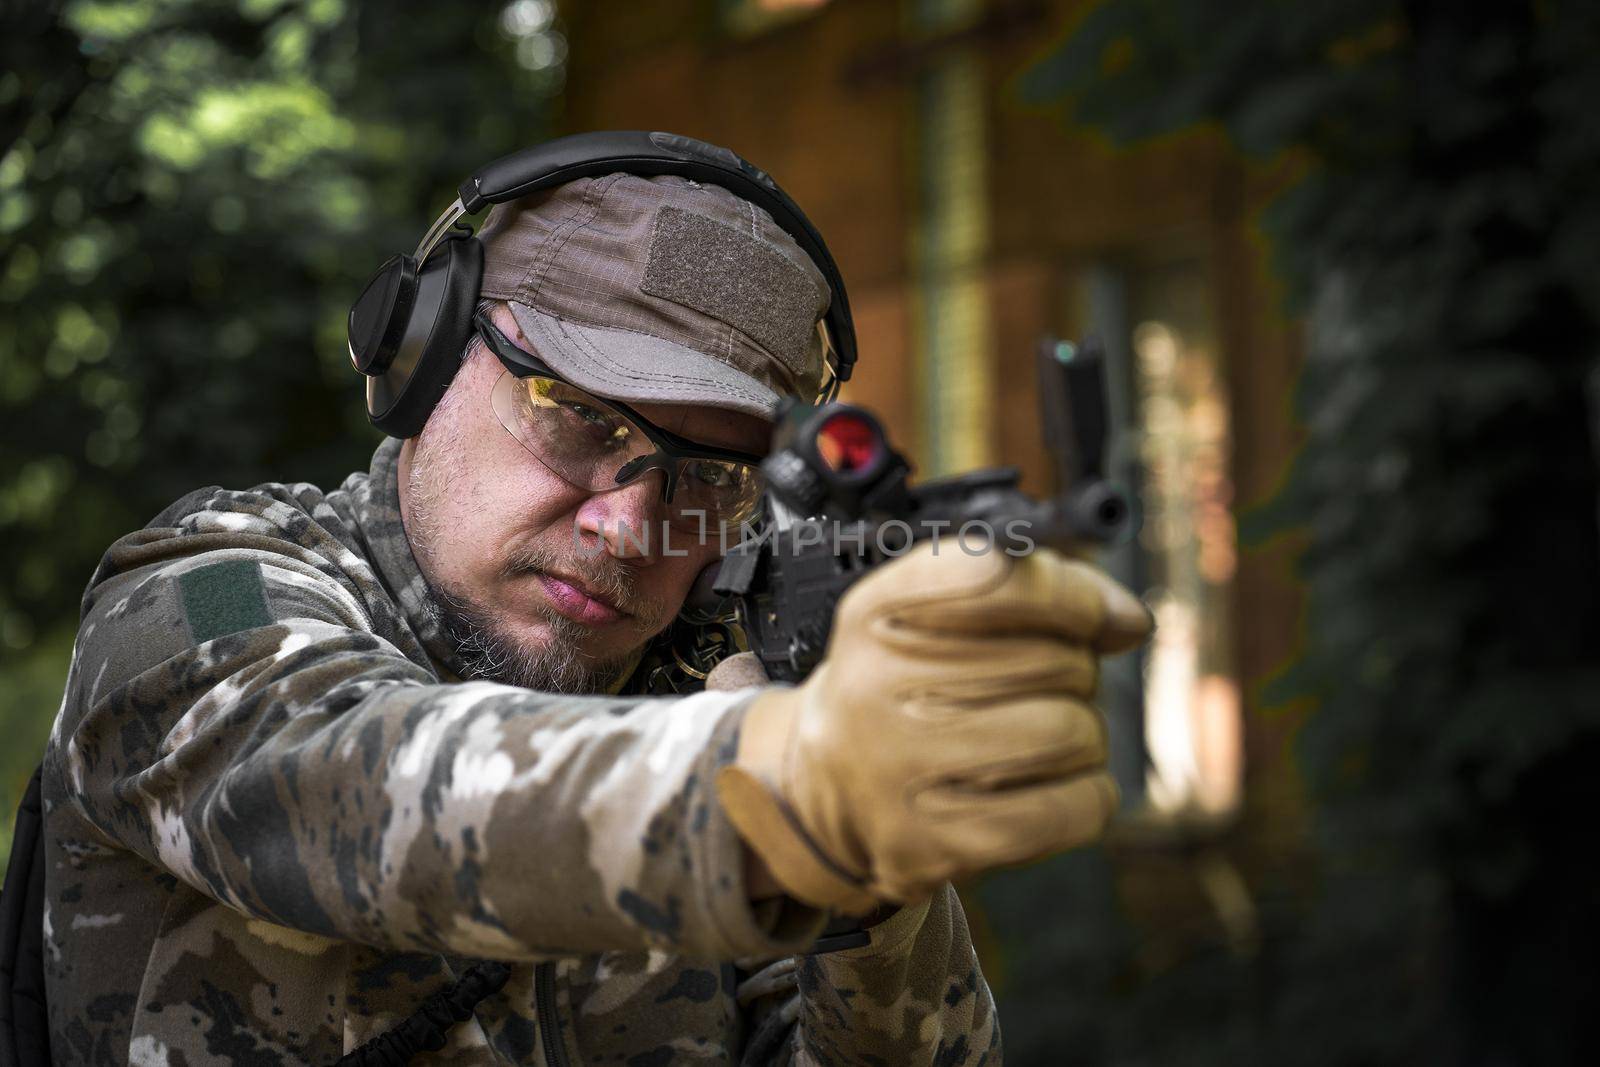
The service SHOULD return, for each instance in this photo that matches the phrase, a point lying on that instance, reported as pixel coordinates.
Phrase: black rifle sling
(426, 1028)
(24, 1025)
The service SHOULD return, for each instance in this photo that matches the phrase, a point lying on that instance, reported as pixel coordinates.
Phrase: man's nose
(630, 519)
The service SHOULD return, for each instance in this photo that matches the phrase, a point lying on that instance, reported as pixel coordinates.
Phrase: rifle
(839, 503)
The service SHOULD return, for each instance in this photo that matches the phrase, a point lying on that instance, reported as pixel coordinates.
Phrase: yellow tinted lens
(715, 493)
(585, 441)
(578, 436)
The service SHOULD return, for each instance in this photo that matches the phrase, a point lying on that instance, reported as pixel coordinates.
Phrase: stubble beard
(487, 651)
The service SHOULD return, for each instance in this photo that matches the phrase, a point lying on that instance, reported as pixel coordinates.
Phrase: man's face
(534, 578)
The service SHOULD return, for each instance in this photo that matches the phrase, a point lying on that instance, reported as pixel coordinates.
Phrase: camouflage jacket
(277, 820)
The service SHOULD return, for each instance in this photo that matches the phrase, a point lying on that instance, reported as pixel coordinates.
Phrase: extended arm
(239, 714)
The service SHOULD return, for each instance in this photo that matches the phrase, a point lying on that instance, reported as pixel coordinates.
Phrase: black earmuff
(416, 323)
(409, 326)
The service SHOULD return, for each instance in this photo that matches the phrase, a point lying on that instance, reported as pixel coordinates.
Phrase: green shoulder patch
(224, 598)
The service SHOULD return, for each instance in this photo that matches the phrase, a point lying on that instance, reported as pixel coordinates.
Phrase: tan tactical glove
(946, 732)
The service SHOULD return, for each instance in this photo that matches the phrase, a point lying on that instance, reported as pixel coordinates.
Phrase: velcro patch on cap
(735, 278)
(224, 598)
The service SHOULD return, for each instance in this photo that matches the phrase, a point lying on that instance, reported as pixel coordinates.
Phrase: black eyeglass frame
(670, 447)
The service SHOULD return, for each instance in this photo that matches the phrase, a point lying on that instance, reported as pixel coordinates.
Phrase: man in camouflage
(319, 751)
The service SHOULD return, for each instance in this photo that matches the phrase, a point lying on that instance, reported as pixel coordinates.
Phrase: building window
(1175, 709)
(949, 250)
(1192, 702)
(745, 18)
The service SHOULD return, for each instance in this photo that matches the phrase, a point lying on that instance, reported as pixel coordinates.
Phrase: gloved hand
(946, 731)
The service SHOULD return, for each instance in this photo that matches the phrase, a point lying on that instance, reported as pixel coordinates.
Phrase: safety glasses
(599, 444)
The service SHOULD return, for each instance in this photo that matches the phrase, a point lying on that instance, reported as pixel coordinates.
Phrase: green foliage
(191, 194)
(1443, 248)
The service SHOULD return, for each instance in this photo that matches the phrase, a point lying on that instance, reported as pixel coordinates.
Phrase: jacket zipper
(544, 1002)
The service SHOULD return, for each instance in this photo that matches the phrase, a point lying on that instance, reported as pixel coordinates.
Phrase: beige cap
(660, 290)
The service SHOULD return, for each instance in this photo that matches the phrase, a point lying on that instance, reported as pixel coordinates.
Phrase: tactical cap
(660, 290)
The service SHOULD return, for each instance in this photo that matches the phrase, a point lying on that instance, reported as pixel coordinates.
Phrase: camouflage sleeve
(914, 995)
(234, 717)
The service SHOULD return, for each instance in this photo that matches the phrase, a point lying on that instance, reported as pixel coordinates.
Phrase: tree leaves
(188, 196)
(191, 194)
(1443, 247)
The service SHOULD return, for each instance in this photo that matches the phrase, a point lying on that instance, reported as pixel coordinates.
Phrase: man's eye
(593, 419)
(586, 413)
(713, 474)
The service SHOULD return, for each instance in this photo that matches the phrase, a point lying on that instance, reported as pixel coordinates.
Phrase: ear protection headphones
(411, 323)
